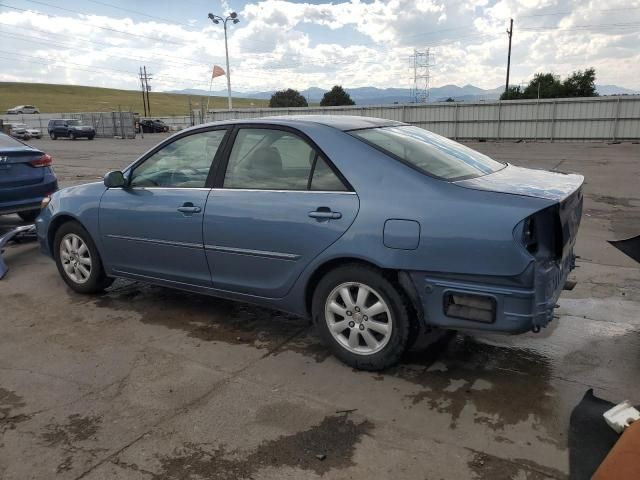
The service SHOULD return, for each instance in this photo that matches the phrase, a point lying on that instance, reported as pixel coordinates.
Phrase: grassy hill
(50, 98)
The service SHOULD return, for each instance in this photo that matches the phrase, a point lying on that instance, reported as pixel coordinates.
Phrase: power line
(93, 26)
(118, 7)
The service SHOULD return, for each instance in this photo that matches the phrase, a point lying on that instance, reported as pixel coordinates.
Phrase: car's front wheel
(52, 135)
(78, 260)
(72, 135)
(362, 316)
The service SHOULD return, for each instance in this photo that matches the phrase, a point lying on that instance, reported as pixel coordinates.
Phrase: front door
(280, 205)
(153, 228)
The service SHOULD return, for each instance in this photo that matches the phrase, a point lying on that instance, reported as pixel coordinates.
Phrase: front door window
(184, 163)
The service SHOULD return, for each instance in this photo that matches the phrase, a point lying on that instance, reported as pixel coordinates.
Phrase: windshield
(19, 125)
(73, 123)
(432, 154)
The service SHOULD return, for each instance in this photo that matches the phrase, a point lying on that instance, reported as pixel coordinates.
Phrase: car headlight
(45, 201)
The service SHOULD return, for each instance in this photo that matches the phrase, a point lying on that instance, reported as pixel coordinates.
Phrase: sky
(280, 44)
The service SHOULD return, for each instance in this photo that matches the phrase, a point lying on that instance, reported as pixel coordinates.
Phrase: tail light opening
(44, 161)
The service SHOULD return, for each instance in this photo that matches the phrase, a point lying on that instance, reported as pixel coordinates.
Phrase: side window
(184, 163)
(269, 159)
(325, 179)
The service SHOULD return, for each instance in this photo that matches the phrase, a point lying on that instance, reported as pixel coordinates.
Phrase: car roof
(340, 122)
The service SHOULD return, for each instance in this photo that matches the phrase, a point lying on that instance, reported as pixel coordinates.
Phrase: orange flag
(217, 72)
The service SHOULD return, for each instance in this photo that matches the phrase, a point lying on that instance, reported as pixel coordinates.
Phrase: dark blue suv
(71, 128)
(26, 177)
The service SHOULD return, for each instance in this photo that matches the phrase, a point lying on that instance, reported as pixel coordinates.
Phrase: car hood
(526, 182)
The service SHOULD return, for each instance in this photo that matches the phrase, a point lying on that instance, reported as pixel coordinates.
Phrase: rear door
(278, 204)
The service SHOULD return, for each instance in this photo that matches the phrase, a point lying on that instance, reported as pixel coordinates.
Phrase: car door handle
(323, 213)
(189, 207)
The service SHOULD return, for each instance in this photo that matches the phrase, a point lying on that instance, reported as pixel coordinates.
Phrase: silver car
(19, 130)
(19, 109)
(33, 132)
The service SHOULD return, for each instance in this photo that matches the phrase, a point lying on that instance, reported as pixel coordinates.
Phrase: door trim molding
(156, 241)
(254, 253)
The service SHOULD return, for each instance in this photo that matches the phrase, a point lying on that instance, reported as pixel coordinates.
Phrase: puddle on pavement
(203, 317)
(68, 437)
(9, 402)
(78, 429)
(329, 445)
(459, 371)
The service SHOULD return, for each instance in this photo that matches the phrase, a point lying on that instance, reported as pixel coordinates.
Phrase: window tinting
(269, 159)
(184, 163)
(435, 155)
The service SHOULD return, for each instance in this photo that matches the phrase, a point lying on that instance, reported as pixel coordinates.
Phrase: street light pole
(233, 16)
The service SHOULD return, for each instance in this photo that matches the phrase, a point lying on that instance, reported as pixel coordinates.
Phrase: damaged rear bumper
(498, 308)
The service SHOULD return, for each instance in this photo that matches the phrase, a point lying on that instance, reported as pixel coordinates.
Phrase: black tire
(53, 136)
(97, 280)
(72, 135)
(29, 215)
(392, 295)
(90, 137)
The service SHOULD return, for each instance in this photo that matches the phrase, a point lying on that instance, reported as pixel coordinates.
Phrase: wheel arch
(399, 278)
(55, 225)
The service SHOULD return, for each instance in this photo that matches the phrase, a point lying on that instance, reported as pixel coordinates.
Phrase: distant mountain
(384, 96)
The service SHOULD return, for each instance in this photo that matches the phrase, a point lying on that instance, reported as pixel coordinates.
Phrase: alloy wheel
(76, 258)
(358, 318)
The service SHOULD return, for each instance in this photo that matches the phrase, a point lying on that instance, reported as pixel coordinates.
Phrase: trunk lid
(528, 182)
(15, 167)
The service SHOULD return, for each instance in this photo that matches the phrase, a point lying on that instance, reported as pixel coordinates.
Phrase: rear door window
(271, 159)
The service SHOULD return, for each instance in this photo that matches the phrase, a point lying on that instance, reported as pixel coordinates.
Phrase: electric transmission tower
(421, 61)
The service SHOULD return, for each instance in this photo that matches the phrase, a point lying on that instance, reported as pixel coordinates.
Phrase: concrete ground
(149, 383)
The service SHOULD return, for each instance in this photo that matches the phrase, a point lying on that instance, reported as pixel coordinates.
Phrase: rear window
(430, 153)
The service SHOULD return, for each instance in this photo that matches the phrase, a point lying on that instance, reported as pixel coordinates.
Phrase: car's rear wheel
(90, 137)
(362, 316)
(29, 215)
(78, 260)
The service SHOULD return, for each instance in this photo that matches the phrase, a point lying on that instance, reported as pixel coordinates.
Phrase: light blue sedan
(375, 229)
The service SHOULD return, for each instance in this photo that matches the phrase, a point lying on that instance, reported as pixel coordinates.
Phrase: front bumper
(517, 309)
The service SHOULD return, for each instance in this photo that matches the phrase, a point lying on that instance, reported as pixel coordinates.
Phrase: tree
(544, 85)
(548, 85)
(335, 97)
(512, 93)
(581, 84)
(287, 98)
(449, 99)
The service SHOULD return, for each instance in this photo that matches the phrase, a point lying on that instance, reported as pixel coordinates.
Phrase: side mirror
(114, 179)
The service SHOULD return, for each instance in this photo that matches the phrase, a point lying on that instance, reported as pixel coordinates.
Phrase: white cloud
(272, 46)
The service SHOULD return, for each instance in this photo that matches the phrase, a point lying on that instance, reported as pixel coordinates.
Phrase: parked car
(152, 126)
(31, 132)
(18, 130)
(373, 228)
(23, 109)
(70, 128)
(26, 177)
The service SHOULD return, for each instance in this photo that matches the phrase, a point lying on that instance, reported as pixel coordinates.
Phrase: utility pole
(144, 101)
(147, 77)
(510, 33)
